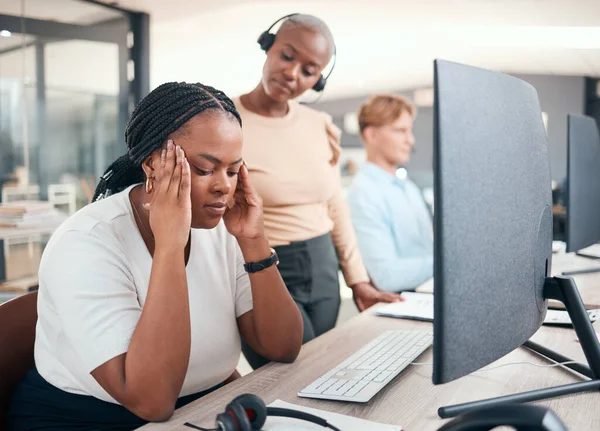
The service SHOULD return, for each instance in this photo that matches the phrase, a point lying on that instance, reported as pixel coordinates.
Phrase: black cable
(196, 427)
(295, 414)
(187, 424)
(274, 411)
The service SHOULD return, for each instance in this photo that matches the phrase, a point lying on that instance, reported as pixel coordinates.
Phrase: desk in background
(411, 400)
(588, 284)
(20, 268)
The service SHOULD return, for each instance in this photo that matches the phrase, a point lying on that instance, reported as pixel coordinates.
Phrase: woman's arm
(273, 328)
(148, 378)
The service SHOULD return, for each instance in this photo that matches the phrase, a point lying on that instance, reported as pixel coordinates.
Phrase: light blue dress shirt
(393, 227)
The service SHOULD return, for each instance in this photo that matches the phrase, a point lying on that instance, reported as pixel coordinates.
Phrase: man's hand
(365, 295)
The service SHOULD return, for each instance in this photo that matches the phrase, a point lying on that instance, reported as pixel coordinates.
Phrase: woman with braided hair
(144, 293)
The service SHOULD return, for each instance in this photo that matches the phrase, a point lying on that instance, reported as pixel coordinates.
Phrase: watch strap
(252, 267)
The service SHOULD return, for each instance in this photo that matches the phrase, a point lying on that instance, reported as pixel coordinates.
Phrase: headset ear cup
(265, 40)
(253, 404)
(226, 421)
(320, 84)
(238, 412)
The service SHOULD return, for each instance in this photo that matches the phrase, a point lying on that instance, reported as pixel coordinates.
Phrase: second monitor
(582, 191)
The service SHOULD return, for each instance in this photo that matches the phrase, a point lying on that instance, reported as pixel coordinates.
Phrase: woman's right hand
(171, 207)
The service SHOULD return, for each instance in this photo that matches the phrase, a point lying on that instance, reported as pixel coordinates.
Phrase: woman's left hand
(366, 295)
(244, 219)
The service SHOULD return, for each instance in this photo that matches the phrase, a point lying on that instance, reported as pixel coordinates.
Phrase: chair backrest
(63, 194)
(20, 193)
(18, 318)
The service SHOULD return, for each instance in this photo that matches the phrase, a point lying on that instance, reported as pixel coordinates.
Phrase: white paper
(343, 422)
(426, 287)
(592, 251)
(415, 306)
(419, 306)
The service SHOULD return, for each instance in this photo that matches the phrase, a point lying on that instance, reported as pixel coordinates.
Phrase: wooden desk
(411, 400)
(588, 284)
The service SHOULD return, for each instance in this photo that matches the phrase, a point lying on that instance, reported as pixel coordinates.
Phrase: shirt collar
(377, 173)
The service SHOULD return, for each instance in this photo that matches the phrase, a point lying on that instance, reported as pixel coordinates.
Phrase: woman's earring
(149, 185)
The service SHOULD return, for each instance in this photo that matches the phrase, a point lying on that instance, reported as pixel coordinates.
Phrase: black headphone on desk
(523, 417)
(248, 412)
(267, 39)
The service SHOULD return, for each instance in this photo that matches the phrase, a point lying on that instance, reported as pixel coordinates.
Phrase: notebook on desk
(416, 306)
(592, 251)
(426, 287)
(419, 306)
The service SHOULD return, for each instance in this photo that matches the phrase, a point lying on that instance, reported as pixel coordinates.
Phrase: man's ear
(368, 134)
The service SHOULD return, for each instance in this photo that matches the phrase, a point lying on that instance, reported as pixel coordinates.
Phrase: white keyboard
(366, 372)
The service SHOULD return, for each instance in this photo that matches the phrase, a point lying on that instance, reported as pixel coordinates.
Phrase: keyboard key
(356, 388)
(327, 384)
(353, 365)
(313, 388)
(319, 386)
(365, 367)
(359, 375)
(371, 375)
(339, 389)
(382, 376)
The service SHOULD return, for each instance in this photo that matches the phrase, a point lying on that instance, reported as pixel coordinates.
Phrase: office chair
(18, 318)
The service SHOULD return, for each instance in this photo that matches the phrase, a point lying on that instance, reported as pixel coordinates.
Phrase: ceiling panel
(16, 40)
(382, 44)
(66, 11)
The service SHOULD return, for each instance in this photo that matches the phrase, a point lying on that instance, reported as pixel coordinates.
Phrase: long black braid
(160, 113)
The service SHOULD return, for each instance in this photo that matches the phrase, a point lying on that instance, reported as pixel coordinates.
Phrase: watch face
(275, 255)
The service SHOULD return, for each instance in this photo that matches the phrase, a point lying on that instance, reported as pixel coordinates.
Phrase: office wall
(559, 96)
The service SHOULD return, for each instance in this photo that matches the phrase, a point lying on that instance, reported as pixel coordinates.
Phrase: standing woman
(292, 153)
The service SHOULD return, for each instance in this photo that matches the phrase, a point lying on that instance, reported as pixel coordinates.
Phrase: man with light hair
(390, 218)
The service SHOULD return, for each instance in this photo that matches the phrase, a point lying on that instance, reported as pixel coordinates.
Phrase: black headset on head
(266, 40)
(248, 412)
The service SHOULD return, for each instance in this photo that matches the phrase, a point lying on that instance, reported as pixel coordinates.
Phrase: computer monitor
(493, 226)
(493, 221)
(583, 183)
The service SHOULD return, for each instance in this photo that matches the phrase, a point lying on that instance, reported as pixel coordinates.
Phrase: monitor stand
(562, 289)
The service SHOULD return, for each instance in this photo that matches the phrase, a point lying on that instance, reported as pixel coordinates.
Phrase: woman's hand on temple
(244, 218)
(171, 207)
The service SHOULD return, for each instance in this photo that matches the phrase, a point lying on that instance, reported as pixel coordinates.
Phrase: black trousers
(310, 272)
(40, 406)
